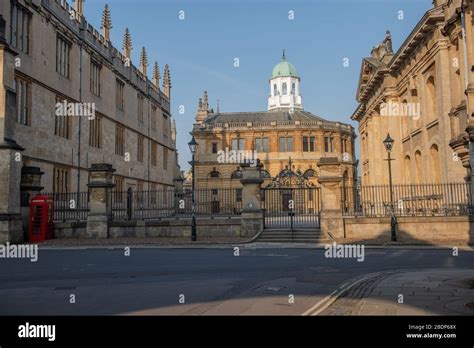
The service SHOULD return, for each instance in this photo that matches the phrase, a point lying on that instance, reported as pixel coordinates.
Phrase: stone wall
(208, 227)
(446, 230)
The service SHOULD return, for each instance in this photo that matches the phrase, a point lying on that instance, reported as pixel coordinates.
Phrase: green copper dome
(284, 68)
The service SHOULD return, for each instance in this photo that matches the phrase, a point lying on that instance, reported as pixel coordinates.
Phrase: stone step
(286, 236)
(296, 232)
(317, 233)
(315, 241)
(316, 230)
(294, 239)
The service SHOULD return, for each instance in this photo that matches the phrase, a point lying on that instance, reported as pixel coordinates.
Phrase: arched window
(431, 98)
(406, 164)
(404, 118)
(236, 174)
(416, 121)
(275, 90)
(293, 88)
(264, 174)
(215, 174)
(310, 173)
(283, 89)
(436, 170)
(418, 166)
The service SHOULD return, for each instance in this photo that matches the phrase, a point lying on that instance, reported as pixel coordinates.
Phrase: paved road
(213, 281)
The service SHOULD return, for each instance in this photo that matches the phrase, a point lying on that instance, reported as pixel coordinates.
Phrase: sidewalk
(207, 242)
(430, 292)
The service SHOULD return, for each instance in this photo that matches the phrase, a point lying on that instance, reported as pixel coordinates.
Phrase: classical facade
(283, 137)
(73, 99)
(422, 95)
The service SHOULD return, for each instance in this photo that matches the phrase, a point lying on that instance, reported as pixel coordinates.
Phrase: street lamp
(388, 143)
(193, 145)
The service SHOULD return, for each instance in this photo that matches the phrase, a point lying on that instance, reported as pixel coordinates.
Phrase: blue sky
(201, 49)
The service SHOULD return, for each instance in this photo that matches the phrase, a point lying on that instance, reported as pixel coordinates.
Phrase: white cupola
(284, 87)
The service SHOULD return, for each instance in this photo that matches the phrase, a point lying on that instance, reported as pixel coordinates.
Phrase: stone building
(419, 94)
(282, 136)
(60, 71)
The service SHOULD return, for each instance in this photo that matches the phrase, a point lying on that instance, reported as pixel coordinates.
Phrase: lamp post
(388, 143)
(193, 145)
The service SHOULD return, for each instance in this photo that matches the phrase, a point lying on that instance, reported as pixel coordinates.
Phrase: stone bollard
(252, 217)
(100, 200)
(331, 214)
(30, 186)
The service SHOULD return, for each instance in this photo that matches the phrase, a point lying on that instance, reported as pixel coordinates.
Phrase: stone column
(30, 186)
(330, 180)
(10, 152)
(251, 218)
(100, 200)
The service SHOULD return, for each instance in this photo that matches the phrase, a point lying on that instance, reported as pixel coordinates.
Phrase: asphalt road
(194, 281)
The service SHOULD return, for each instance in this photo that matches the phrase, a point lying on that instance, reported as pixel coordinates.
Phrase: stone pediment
(368, 69)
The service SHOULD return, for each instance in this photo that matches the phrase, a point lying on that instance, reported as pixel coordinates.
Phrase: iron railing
(70, 206)
(442, 199)
(291, 207)
(170, 203)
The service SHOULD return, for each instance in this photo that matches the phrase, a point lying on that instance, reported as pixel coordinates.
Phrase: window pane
(265, 145)
(311, 144)
(18, 100)
(241, 144)
(282, 144)
(290, 144)
(25, 104)
(20, 25)
(238, 193)
(235, 144)
(305, 144)
(27, 34)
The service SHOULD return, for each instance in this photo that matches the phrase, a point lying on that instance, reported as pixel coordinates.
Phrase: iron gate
(291, 208)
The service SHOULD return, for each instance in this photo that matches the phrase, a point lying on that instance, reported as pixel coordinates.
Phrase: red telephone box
(41, 218)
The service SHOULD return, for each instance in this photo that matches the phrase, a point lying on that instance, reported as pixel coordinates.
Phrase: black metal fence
(71, 206)
(291, 208)
(170, 203)
(446, 199)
